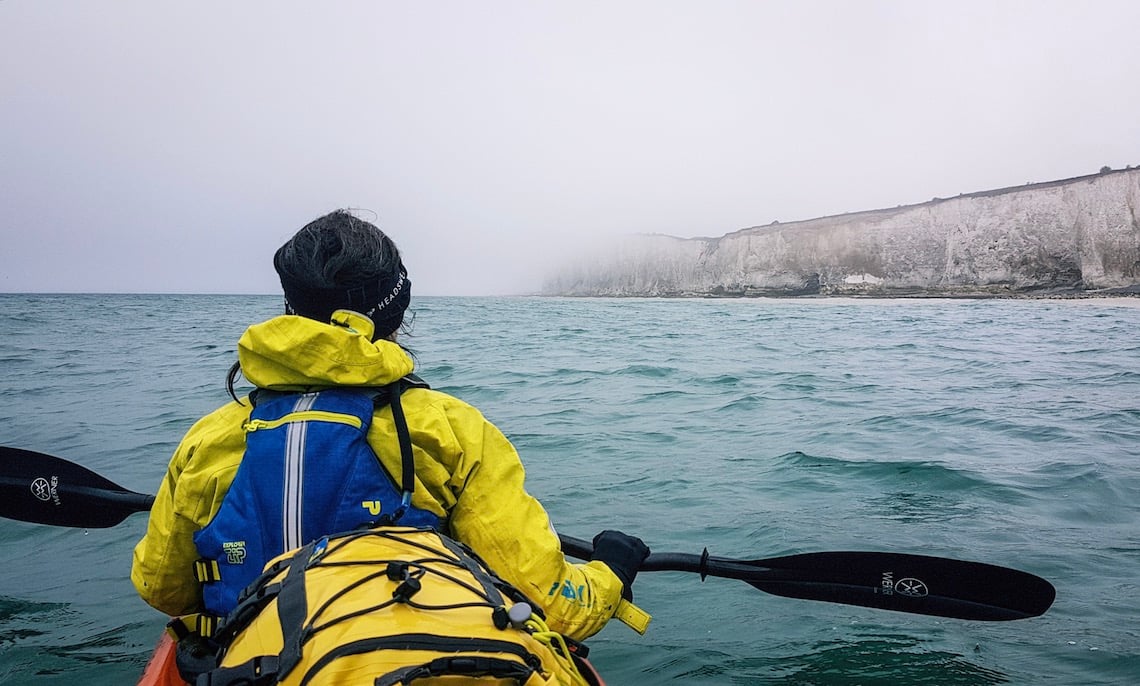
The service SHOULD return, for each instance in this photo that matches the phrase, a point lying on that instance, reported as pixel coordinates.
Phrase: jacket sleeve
(196, 480)
(510, 530)
(162, 570)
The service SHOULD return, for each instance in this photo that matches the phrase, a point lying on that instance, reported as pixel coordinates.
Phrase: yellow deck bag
(387, 606)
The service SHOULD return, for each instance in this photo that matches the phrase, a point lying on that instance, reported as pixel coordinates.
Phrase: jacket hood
(291, 352)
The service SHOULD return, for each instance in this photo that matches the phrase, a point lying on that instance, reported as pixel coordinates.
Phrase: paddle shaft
(40, 488)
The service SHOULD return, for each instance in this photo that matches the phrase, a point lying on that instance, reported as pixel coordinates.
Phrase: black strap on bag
(465, 656)
(461, 665)
(260, 671)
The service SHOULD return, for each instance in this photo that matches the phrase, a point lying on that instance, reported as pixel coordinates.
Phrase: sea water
(1000, 431)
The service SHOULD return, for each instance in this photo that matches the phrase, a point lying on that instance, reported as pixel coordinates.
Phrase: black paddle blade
(43, 489)
(919, 584)
(907, 583)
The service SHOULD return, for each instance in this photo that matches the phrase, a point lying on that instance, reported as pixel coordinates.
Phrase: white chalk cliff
(1075, 235)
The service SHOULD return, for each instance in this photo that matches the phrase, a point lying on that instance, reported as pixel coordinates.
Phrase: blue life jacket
(308, 471)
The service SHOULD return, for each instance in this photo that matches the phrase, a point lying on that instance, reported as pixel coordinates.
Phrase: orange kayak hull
(161, 670)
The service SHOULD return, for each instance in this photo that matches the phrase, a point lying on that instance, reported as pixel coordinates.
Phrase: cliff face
(1075, 235)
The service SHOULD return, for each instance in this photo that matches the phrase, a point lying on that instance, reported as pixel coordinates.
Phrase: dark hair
(340, 261)
(231, 379)
(335, 250)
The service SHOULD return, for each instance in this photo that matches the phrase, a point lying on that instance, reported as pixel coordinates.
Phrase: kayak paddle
(918, 584)
(43, 489)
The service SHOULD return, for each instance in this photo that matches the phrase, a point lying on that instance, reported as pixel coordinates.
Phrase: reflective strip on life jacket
(291, 504)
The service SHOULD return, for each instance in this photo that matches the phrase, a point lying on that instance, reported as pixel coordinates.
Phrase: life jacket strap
(200, 623)
(206, 571)
(404, 438)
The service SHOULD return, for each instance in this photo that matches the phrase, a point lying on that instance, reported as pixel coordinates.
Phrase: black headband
(382, 300)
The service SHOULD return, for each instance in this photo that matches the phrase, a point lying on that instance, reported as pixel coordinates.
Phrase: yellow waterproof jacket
(466, 471)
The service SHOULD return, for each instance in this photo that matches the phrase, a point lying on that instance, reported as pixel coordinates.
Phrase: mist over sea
(1002, 431)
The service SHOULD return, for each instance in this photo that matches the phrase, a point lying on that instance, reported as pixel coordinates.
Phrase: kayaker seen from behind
(339, 435)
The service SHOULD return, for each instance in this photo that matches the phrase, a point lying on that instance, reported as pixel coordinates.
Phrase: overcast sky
(172, 147)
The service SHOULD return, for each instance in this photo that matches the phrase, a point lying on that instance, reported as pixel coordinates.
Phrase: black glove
(623, 555)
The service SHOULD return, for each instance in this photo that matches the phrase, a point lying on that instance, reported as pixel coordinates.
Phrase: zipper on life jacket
(304, 416)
